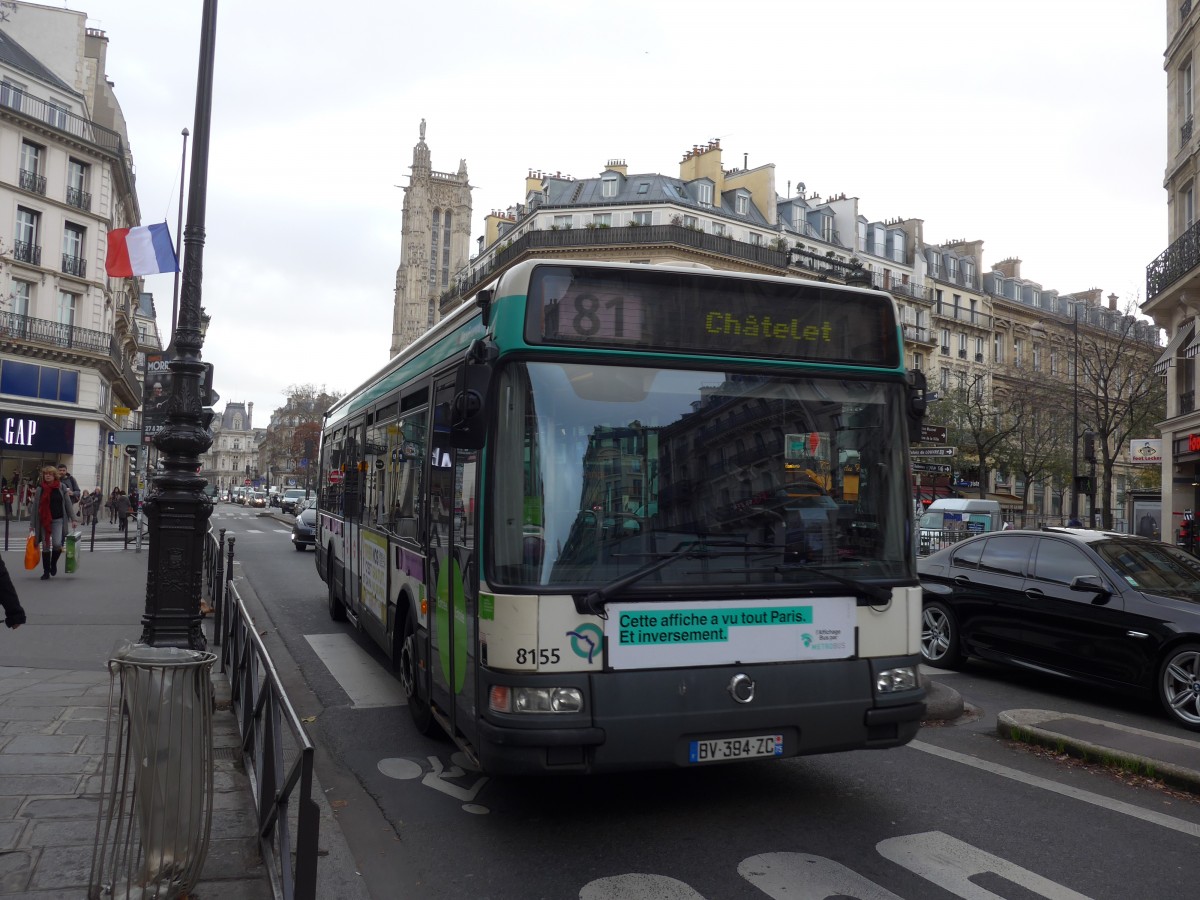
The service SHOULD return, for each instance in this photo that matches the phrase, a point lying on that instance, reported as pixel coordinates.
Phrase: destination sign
(932, 451)
(700, 312)
(934, 468)
(933, 434)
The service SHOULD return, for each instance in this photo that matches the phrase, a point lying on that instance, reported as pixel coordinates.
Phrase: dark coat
(14, 615)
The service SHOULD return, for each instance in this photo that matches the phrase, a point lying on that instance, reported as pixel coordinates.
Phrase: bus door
(451, 568)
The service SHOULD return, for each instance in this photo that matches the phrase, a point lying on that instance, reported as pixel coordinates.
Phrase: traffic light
(1083, 485)
(1089, 446)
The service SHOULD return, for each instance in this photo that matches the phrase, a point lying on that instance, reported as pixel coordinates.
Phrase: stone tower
(434, 244)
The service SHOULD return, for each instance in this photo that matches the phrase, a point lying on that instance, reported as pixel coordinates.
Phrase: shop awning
(1183, 335)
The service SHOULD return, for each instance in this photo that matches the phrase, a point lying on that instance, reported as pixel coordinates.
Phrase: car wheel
(939, 636)
(298, 546)
(337, 611)
(418, 707)
(1179, 685)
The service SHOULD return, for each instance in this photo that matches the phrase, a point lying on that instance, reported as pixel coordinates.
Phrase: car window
(309, 516)
(1060, 561)
(967, 556)
(1006, 554)
(1152, 566)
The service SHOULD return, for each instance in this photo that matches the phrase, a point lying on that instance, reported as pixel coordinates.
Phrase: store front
(29, 442)
(1185, 491)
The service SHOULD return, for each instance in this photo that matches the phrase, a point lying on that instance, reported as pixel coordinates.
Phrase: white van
(950, 520)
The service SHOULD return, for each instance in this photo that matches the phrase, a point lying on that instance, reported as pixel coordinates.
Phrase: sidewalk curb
(942, 703)
(1025, 725)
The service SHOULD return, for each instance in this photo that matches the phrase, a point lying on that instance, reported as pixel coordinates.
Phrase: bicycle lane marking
(1119, 806)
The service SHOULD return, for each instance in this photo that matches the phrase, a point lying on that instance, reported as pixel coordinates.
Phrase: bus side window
(405, 482)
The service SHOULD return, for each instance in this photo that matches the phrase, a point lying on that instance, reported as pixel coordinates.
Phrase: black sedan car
(304, 530)
(1110, 609)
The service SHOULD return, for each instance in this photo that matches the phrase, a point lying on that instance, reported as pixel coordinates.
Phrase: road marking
(360, 676)
(1128, 809)
(253, 531)
(283, 531)
(951, 864)
(801, 876)
(638, 886)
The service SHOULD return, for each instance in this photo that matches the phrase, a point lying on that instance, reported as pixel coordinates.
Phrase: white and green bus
(610, 516)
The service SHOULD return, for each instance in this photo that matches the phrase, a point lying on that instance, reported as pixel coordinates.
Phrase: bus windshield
(727, 477)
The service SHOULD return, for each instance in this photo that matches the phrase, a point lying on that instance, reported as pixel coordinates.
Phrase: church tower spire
(435, 240)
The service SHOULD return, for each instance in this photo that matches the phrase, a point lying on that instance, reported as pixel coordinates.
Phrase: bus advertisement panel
(652, 509)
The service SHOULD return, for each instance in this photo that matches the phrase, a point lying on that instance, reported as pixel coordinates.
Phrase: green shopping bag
(72, 552)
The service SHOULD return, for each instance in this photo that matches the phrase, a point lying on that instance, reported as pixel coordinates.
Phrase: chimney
(618, 166)
(1112, 302)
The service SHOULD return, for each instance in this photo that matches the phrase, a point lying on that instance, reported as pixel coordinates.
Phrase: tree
(979, 424)
(295, 430)
(1038, 447)
(1120, 395)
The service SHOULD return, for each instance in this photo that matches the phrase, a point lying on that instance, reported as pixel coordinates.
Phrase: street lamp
(179, 508)
(1075, 416)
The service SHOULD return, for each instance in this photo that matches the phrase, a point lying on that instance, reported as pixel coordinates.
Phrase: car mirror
(1094, 584)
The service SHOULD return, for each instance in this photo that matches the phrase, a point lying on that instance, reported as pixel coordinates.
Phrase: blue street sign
(304, 463)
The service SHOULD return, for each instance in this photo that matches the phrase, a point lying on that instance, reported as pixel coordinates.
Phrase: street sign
(933, 434)
(127, 437)
(121, 410)
(935, 468)
(930, 396)
(932, 451)
(335, 476)
(246, 483)
(304, 463)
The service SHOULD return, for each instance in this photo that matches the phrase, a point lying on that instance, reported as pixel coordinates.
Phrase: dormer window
(952, 267)
(742, 203)
(608, 186)
(704, 194)
(827, 229)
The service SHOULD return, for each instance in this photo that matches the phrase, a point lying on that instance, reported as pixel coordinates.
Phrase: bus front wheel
(418, 707)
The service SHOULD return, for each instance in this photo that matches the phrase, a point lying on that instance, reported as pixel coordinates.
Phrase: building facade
(69, 336)
(232, 460)
(976, 330)
(1173, 278)
(434, 245)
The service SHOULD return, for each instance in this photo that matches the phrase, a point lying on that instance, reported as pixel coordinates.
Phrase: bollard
(92, 549)
(219, 599)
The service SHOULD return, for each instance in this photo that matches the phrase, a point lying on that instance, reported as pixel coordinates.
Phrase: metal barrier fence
(275, 748)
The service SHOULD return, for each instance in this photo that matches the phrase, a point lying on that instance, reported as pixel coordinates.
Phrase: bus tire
(337, 611)
(418, 707)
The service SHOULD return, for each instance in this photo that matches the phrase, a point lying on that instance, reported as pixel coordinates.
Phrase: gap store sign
(43, 434)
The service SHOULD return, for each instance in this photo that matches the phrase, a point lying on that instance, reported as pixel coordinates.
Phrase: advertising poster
(156, 394)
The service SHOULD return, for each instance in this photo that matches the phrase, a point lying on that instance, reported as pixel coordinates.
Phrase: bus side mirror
(918, 403)
(468, 423)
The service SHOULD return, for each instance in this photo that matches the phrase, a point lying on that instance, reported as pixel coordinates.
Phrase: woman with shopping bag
(52, 514)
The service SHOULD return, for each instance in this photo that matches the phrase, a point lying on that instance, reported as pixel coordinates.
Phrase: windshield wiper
(880, 595)
(594, 601)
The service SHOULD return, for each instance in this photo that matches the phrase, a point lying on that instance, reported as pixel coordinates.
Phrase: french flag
(145, 250)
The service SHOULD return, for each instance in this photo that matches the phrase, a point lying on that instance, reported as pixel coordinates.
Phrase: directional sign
(932, 451)
(933, 434)
(936, 468)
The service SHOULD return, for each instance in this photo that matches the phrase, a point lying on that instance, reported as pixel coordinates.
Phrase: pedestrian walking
(53, 514)
(14, 615)
(121, 507)
(111, 506)
(97, 502)
(69, 480)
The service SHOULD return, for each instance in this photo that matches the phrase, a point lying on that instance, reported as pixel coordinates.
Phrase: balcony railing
(25, 252)
(919, 335)
(79, 199)
(1175, 262)
(61, 119)
(32, 181)
(74, 265)
(55, 334)
(469, 279)
(1185, 130)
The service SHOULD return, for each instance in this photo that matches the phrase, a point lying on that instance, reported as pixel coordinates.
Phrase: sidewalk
(54, 704)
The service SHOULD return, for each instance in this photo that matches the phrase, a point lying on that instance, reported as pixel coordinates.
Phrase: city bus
(612, 516)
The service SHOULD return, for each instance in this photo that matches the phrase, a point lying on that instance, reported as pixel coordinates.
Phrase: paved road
(957, 813)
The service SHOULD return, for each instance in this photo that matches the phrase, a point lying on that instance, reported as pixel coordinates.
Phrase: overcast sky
(1038, 126)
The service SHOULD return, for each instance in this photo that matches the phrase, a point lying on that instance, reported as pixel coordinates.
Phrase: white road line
(253, 531)
(1128, 809)
(283, 531)
(359, 675)
(801, 876)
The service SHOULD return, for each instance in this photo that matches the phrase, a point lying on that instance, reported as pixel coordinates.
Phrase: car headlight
(535, 700)
(890, 681)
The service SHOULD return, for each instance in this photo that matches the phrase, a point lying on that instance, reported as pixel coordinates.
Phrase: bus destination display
(673, 311)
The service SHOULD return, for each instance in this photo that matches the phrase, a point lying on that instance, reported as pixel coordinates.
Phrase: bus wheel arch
(337, 611)
(407, 662)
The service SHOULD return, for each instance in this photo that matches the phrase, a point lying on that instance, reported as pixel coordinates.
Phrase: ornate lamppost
(178, 508)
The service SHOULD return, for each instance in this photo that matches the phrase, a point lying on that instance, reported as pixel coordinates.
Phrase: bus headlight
(889, 681)
(535, 700)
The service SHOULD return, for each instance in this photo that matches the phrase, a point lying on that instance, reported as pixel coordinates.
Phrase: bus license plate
(736, 748)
